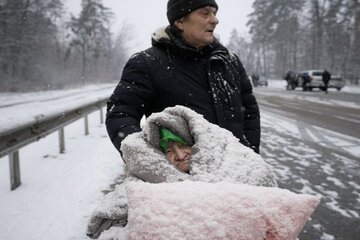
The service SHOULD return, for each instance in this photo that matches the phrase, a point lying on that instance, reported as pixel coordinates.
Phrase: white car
(310, 79)
(336, 82)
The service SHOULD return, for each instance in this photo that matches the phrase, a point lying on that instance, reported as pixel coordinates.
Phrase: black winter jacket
(212, 82)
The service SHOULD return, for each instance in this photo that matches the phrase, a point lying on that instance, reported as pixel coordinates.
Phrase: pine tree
(25, 27)
(298, 35)
(92, 36)
(275, 29)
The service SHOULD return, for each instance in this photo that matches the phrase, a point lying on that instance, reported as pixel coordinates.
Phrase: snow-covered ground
(20, 108)
(59, 191)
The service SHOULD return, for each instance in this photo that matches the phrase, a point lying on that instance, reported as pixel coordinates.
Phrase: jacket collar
(165, 38)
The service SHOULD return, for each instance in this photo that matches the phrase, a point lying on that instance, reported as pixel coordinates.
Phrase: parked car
(263, 81)
(310, 79)
(336, 82)
(257, 80)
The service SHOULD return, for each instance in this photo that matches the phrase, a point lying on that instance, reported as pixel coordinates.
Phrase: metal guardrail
(14, 139)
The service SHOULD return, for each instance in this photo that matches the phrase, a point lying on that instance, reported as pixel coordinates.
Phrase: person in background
(186, 66)
(306, 81)
(326, 76)
(255, 79)
(290, 80)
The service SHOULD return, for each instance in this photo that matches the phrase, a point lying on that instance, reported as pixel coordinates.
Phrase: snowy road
(313, 142)
(342, 117)
(317, 167)
(315, 108)
(59, 191)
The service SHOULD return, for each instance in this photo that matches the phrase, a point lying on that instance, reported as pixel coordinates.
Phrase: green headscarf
(166, 136)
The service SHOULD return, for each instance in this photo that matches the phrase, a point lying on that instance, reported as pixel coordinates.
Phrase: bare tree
(355, 56)
(244, 49)
(120, 51)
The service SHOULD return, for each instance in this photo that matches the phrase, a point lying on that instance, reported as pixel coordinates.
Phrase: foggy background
(55, 44)
(145, 17)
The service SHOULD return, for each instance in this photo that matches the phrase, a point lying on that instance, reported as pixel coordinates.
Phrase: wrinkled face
(198, 27)
(179, 156)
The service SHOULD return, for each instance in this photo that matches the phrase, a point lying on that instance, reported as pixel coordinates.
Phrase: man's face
(179, 156)
(198, 27)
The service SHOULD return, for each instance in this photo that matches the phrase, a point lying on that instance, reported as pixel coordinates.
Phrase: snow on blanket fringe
(199, 210)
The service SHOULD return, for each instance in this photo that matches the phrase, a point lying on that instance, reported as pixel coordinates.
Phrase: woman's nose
(180, 155)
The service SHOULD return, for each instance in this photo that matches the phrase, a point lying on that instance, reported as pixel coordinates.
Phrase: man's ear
(179, 23)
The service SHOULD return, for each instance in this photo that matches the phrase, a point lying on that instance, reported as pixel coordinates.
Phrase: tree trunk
(356, 33)
(264, 60)
(84, 63)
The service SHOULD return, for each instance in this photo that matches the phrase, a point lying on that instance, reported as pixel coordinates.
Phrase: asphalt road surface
(309, 160)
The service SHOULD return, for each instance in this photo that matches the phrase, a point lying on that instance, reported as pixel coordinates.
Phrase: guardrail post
(101, 115)
(14, 139)
(14, 170)
(86, 125)
(61, 140)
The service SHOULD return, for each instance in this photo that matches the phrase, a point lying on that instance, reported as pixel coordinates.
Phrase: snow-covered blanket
(217, 156)
(213, 211)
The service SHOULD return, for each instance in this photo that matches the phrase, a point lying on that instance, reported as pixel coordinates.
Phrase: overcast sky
(145, 16)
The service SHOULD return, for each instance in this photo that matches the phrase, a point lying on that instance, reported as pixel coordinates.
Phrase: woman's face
(179, 156)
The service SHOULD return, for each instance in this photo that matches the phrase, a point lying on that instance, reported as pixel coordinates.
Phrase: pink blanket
(197, 210)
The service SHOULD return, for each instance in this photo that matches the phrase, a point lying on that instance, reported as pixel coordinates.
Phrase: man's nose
(214, 20)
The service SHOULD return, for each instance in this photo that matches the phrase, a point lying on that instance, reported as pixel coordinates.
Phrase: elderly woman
(178, 144)
(176, 150)
(216, 154)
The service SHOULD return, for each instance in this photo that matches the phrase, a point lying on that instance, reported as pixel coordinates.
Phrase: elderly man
(187, 66)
